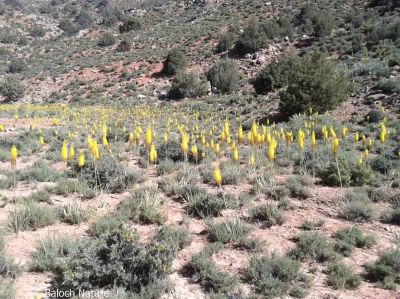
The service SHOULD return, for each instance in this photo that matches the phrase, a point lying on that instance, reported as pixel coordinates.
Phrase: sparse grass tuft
(341, 276)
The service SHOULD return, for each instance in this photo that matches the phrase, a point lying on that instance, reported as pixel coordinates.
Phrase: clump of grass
(40, 171)
(276, 276)
(264, 184)
(67, 187)
(50, 251)
(30, 216)
(312, 225)
(203, 204)
(355, 207)
(143, 205)
(312, 245)
(106, 224)
(392, 215)
(341, 276)
(296, 186)
(8, 268)
(231, 231)
(386, 270)
(166, 166)
(203, 270)
(40, 196)
(351, 237)
(178, 236)
(74, 213)
(270, 214)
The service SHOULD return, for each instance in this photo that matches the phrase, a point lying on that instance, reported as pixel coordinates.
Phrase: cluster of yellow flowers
(200, 134)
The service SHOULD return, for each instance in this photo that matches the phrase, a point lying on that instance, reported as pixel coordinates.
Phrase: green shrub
(40, 171)
(275, 75)
(109, 175)
(391, 86)
(175, 62)
(203, 204)
(224, 76)
(330, 174)
(107, 39)
(68, 27)
(231, 231)
(16, 66)
(106, 224)
(386, 270)
(356, 207)
(130, 24)
(312, 225)
(312, 245)
(202, 270)
(187, 85)
(12, 89)
(251, 40)
(314, 83)
(274, 276)
(392, 216)
(226, 42)
(125, 45)
(30, 215)
(341, 276)
(50, 251)
(74, 213)
(37, 31)
(116, 259)
(176, 236)
(351, 237)
(375, 116)
(295, 186)
(361, 175)
(269, 214)
(143, 205)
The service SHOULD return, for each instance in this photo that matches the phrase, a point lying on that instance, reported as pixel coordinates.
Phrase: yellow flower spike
(252, 160)
(41, 140)
(366, 153)
(356, 137)
(16, 117)
(95, 151)
(240, 134)
(195, 151)
(382, 136)
(64, 151)
(203, 140)
(217, 149)
(71, 152)
(148, 138)
(363, 140)
(203, 155)
(344, 132)
(153, 154)
(217, 176)
(81, 159)
(13, 155)
(184, 144)
(235, 155)
(335, 146)
(360, 161)
(271, 152)
(332, 132)
(254, 128)
(313, 141)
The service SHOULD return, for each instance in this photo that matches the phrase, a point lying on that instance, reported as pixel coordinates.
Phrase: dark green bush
(12, 88)
(226, 42)
(130, 24)
(203, 270)
(125, 45)
(251, 40)
(107, 39)
(175, 62)
(275, 75)
(224, 76)
(274, 276)
(312, 245)
(176, 236)
(108, 175)
(17, 66)
(375, 116)
(68, 27)
(386, 270)
(389, 86)
(315, 83)
(37, 31)
(330, 175)
(351, 237)
(187, 85)
(269, 214)
(116, 259)
(341, 276)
